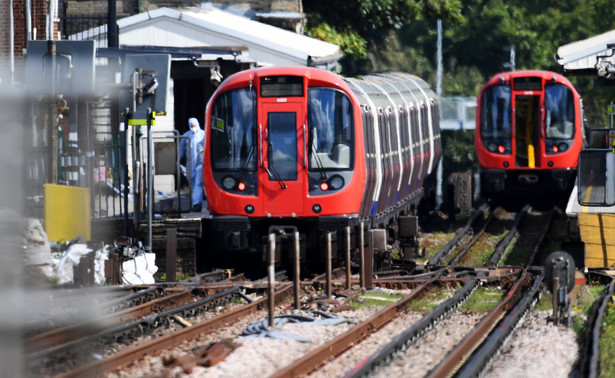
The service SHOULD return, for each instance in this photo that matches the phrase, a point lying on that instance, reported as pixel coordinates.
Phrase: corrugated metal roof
(209, 26)
(582, 55)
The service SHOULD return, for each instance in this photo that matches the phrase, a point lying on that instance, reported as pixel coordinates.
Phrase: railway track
(362, 343)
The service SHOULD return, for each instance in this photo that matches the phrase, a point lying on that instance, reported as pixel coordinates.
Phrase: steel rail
(455, 260)
(508, 239)
(588, 363)
(101, 366)
(455, 358)
(339, 344)
(465, 231)
(135, 327)
(408, 337)
(481, 358)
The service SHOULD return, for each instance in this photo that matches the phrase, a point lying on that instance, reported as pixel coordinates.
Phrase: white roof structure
(211, 27)
(592, 55)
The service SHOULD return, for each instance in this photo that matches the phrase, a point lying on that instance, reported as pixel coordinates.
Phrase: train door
(283, 168)
(527, 130)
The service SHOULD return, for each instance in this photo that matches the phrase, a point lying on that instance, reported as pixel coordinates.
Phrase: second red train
(528, 134)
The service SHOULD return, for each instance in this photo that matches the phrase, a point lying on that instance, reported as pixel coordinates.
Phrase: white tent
(593, 55)
(210, 26)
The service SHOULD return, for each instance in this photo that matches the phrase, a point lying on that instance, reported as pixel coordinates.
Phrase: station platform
(596, 230)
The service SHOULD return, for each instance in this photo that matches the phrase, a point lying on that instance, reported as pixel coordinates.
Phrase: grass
(583, 299)
(431, 300)
(484, 299)
(179, 277)
(481, 251)
(435, 242)
(607, 343)
(374, 299)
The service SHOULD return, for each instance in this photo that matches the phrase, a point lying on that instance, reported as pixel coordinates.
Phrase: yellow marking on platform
(585, 209)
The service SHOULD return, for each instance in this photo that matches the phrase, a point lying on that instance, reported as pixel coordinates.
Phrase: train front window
(559, 112)
(330, 124)
(233, 131)
(495, 113)
(282, 128)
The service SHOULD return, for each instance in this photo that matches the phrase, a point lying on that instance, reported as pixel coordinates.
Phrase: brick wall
(38, 12)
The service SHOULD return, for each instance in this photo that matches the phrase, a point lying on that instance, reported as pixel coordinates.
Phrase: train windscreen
(233, 131)
(495, 118)
(330, 121)
(282, 128)
(559, 112)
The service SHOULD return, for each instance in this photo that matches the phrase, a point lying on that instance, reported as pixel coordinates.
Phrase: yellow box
(67, 212)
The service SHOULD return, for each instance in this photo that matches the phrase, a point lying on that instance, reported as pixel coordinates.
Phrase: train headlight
(229, 183)
(492, 147)
(563, 147)
(336, 182)
(501, 149)
(324, 186)
(241, 186)
(316, 209)
(249, 209)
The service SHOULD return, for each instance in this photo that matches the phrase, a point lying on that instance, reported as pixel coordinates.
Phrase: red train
(305, 148)
(528, 134)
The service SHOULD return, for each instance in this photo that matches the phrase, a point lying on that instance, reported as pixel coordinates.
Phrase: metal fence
(458, 113)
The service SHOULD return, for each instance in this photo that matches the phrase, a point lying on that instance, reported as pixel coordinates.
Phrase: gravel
(538, 349)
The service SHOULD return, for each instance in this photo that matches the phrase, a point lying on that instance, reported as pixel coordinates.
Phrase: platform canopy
(210, 26)
(591, 56)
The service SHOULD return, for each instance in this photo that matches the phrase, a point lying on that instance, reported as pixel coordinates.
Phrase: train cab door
(527, 129)
(283, 170)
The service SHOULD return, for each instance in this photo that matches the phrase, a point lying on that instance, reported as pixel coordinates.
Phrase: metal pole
(362, 255)
(555, 299)
(369, 262)
(271, 278)
(11, 42)
(297, 270)
(112, 38)
(328, 265)
(150, 179)
(171, 255)
(348, 272)
(51, 124)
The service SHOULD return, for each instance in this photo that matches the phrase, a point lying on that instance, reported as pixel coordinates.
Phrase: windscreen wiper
(242, 171)
(273, 173)
(319, 165)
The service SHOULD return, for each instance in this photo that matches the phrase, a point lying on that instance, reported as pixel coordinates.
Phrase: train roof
(546, 75)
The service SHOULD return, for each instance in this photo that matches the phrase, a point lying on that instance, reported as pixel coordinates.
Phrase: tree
(352, 23)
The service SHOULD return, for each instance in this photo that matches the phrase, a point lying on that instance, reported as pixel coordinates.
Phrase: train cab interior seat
(341, 155)
(563, 130)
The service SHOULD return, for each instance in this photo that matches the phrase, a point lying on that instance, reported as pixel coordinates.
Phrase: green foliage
(352, 23)
(607, 343)
(401, 35)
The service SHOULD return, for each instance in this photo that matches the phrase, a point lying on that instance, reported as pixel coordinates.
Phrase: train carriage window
(495, 121)
(559, 112)
(233, 135)
(331, 125)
